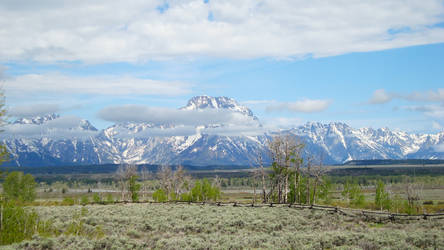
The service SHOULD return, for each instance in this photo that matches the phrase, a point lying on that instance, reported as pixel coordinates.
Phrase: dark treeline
(394, 162)
(108, 168)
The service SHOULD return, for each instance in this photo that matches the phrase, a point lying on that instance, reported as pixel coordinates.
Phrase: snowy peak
(222, 102)
(37, 120)
(86, 125)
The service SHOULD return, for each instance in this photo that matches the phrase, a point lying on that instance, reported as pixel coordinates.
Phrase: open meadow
(178, 209)
(183, 226)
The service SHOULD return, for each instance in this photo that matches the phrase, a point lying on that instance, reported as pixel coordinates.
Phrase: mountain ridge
(135, 143)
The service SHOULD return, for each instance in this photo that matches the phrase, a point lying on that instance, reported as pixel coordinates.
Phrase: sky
(366, 63)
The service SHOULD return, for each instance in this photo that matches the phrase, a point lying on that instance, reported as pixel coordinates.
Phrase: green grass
(177, 226)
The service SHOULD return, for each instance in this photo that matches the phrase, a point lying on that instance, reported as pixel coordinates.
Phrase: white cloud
(302, 106)
(189, 130)
(110, 31)
(380, 96)
(439, 148)
(148, 132)
(428, 96)
(33, 110)
(235, 130)
(67, 127)
(277, 123)
(57, 84)
(157, 115)
(433, 111)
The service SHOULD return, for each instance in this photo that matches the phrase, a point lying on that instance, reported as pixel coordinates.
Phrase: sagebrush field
(183, 226)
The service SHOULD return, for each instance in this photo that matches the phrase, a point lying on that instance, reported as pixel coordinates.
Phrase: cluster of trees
(176, 185)
(293, 179)
(16, 222)
(129, 187)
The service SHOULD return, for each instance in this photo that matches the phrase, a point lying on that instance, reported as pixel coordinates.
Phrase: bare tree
(256, 174)
(145, 174)
(264, 187)
(413, 195)
(178, 180)
(309, 163)
(284, 151)
(318, 173)
(123, 174)
(165, 175)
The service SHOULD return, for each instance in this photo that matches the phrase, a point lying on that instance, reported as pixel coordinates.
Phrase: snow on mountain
(55, 140)
(338, 142)
(205, 102)
(50, 140)
(36, 120)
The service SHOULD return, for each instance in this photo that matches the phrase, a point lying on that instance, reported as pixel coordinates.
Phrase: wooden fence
(367, 215)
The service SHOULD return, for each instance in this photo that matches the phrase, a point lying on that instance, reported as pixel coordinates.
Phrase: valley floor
(183, 226)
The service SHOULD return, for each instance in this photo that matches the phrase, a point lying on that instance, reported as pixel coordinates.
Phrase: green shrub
(185, 197)
(97, 198)
(68, 201)
(78, 226)
(18, 224)
(204, 191)
(134, 188)
(109, 198)
(19, 186)
(84, 200)
(160, 196)
(353, 193)
(382, 197)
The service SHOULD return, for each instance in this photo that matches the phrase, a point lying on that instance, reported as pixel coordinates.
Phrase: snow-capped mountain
(222, 102)
(55, 140)
(338, 142)
(36, 120)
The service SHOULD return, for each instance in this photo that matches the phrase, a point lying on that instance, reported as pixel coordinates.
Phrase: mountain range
(52, 140)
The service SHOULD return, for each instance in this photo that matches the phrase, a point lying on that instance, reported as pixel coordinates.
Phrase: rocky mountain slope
(53, 140)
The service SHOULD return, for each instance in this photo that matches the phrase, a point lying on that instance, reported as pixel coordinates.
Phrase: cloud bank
(434, 99)
(33, 110)
(66, 127)
(439, 148)
(158, 115)
(116, 31)
(56, 84)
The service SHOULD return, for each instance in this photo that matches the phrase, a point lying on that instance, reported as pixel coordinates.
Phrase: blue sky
(369, 64)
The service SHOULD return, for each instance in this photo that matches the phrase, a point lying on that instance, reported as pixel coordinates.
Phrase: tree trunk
(299, 188)
(308, 190)
(123, 190)
(263, 186)
(286, 188)
(295, 187)
(314, 191)
(254, 191)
